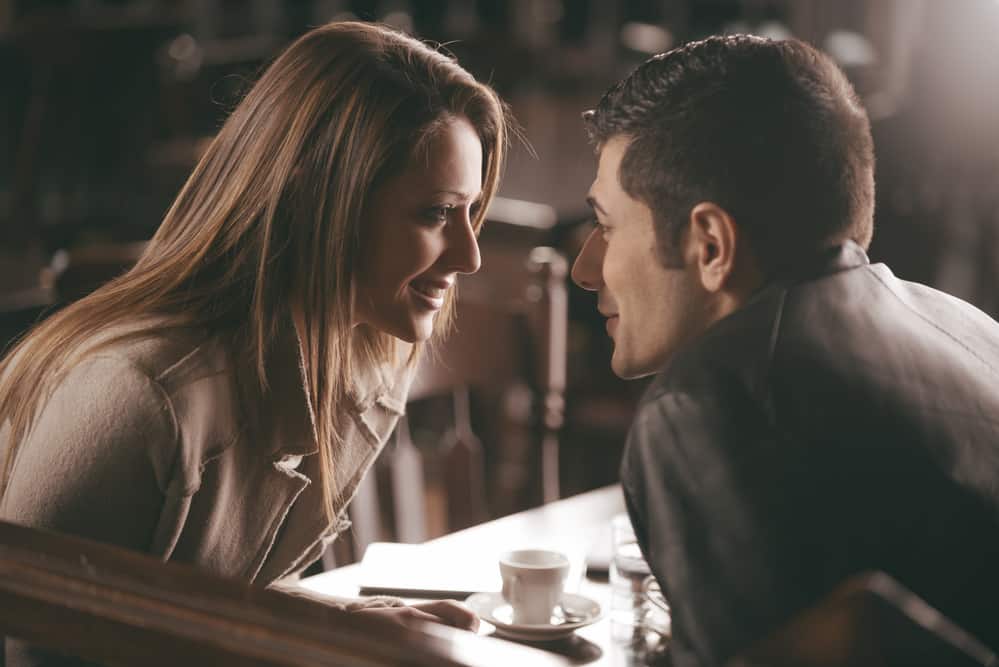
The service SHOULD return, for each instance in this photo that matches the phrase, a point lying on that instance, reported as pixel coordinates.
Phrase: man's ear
(712, 245)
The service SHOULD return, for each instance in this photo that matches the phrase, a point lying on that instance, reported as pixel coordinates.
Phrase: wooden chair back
(81, 270)
(870, 620)
(506, 356)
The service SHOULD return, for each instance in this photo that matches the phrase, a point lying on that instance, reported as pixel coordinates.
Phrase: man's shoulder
(863, 328)
(869, 318)
(737, 350)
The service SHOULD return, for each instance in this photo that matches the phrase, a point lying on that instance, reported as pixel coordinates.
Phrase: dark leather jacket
(842, 423)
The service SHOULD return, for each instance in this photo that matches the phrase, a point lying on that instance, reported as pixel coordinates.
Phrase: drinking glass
(628, 571)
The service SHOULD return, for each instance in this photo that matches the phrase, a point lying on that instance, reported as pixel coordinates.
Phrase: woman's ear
(713, 245)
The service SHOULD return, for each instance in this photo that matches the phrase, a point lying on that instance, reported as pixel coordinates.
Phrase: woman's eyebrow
(459, 195)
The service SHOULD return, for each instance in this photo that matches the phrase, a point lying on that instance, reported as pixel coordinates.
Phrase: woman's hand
(447, 612)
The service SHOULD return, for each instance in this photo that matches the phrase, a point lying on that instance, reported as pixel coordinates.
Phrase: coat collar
(281, 413)
(277, 416)
(849, 255)
(832, 259)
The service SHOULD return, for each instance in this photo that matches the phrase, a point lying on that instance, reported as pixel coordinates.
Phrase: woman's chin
(411, 329)
(418, 332)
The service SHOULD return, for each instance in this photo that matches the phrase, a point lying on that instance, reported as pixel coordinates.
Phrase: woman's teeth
(429, 291)
(431, 296)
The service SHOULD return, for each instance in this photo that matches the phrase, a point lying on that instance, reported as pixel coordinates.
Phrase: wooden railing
(118, 607)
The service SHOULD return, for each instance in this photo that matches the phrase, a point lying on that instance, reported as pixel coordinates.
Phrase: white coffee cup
(533, 580)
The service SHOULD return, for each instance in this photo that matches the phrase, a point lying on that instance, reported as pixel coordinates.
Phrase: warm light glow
(645, 37)
(850, 49)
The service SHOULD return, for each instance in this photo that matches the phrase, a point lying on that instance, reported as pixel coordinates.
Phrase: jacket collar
(277, 416)
(849, 255)
(282, 414)
(833, 259)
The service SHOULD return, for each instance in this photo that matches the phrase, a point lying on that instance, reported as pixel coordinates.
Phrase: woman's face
(417, 236)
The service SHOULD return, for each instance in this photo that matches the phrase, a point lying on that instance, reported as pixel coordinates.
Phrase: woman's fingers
(402, 616)
(452, 612)
(447, 612)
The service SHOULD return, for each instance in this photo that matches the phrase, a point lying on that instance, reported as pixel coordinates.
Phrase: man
(813, 416)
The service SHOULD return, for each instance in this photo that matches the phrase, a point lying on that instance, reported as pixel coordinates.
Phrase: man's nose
(587, 270)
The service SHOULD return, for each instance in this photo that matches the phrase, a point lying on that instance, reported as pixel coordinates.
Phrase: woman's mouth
(428, 294)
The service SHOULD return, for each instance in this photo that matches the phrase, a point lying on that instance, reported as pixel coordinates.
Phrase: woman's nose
(463, 246)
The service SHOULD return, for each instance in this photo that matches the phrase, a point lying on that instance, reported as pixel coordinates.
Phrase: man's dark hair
(771, 131)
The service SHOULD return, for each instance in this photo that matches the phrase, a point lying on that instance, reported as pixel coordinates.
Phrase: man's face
(650, 310)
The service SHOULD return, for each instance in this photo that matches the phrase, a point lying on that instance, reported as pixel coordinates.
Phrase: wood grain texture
(123, 608)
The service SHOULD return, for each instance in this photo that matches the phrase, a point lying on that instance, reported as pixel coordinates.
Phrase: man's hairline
(598, 148)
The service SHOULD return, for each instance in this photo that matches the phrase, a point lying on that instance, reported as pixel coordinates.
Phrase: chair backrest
(510, 336)
(79, 271)
(505, 364)
(21, 310)
(870, 620)
(102, 603)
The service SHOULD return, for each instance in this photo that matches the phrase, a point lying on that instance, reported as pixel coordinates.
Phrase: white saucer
(492, 608)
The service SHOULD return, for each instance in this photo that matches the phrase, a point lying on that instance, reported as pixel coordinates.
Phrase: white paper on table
(423, 571)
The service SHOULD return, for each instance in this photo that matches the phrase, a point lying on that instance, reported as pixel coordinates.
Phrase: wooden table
(572, 526)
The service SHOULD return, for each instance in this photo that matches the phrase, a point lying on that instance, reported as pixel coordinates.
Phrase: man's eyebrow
(595, 205)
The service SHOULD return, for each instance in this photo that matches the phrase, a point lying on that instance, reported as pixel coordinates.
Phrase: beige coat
(165, 446)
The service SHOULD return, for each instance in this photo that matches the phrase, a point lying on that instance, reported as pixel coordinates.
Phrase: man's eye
(604, 229)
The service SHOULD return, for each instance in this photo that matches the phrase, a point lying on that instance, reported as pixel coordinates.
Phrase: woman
(219, 403)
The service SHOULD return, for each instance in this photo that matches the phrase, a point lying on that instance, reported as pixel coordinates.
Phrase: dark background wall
(106, 104)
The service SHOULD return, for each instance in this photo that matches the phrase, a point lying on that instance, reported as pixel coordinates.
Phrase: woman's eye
(438, 214)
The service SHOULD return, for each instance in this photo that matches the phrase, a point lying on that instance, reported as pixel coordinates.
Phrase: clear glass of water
(656, 618)
(628, 571)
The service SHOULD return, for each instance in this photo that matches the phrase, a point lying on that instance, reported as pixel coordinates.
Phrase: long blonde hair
(270, 219)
